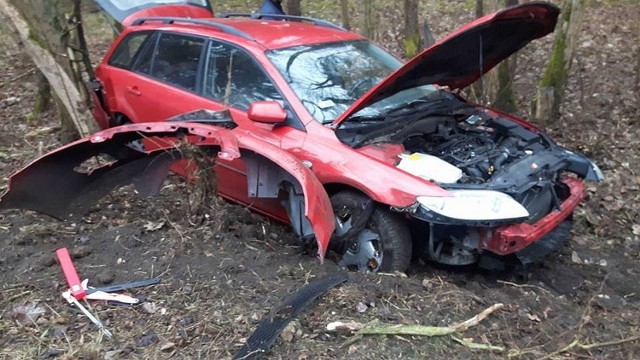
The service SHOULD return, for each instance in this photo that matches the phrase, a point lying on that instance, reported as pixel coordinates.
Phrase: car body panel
(274, 34)
(513, 238)
(74, 191)
(125, 12)
(461, 58)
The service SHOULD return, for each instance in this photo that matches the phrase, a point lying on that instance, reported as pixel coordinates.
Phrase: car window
(233, 77)
(128, 49)
(174, 60)
(330, 77)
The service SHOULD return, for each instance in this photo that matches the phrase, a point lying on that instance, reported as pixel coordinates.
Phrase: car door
(163, 80)
(233, 79)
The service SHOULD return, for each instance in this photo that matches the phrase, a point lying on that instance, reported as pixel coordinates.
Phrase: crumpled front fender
(55, 185)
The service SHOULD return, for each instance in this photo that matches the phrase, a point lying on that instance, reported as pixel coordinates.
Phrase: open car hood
(126, 11)
(462, 57)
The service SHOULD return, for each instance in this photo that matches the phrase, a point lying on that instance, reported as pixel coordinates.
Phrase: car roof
(271, 34)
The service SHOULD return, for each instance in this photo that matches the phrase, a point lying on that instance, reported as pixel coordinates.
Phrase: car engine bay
(489, 152)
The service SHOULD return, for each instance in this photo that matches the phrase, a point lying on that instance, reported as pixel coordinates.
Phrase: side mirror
(269, 112)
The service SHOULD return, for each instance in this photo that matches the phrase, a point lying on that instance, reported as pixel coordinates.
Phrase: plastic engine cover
(429, 167)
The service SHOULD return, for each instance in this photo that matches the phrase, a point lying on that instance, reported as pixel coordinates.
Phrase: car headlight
(475, 205)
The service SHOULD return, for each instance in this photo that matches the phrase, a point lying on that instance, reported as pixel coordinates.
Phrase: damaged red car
(378, 160)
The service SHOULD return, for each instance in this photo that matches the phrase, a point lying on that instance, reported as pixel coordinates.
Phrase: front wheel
(368, 237)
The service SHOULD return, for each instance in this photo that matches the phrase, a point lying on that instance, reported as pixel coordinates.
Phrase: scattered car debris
(270, 328)
(79, 290)
(148, 339)
(76, 291)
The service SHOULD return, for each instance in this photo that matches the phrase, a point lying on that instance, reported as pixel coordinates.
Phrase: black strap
(120, 287)
(270, 328)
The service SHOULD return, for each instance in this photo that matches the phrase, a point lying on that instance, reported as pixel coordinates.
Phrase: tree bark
(56, 75)
(293, 7)
(559, 64)
(495, 87)
(367, 14)
(504, 98)
(638, 81)
(412, 43)
(43, 95)
(479, 8)
(73, 41)
(346, 21)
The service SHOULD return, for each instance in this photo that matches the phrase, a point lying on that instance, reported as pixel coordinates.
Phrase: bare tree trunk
(42, 102)
(412, 43)
(367, 13)
(293, 7)
(344, 7)
(495, 87)
(479, 8)
(477, 88)
(73, 40)
(56, 75)
(504, 98)
(638, 81)
(557, 71)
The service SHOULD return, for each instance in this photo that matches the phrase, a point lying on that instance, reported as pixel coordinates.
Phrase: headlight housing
(475, 205)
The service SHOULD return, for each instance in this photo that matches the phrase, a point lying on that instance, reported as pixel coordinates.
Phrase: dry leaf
(153, 225)
(533, 317)
(27, 313)
(150, 307)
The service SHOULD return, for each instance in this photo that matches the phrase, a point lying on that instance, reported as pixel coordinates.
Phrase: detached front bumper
(513, 238)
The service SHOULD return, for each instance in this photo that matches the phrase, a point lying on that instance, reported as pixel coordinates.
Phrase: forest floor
(220, 277)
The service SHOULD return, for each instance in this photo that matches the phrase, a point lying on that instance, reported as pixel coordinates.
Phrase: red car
(376, 159)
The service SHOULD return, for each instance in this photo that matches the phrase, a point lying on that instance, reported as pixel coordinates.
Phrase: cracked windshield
(328, 78)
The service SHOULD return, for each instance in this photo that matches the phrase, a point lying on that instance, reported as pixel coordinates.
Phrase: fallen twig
(477, 346)
(418, 330)
(476, 319)
(17, 77)
(576, 344)
(375, 328)
(524, 286)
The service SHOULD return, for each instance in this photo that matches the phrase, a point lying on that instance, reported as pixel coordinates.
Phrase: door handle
(134, 90)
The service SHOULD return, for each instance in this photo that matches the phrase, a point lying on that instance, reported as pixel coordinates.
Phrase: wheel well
(119, 119)
(333, 188)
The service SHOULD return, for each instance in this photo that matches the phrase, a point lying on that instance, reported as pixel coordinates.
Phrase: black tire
(394, 235)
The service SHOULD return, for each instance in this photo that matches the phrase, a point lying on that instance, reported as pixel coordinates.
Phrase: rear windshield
(133, 4)
(120, 9)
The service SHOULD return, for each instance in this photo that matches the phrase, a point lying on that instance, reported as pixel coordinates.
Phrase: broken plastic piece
(270, 328)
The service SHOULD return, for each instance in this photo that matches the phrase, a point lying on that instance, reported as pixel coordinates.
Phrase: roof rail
(318, 22)
(170, 20)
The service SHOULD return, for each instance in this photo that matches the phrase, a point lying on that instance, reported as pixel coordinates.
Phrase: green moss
(505, 99)
(43, 97)
(555, 75)
(38, 40)
(412, 45)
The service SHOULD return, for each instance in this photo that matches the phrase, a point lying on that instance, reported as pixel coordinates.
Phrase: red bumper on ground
(512, 238)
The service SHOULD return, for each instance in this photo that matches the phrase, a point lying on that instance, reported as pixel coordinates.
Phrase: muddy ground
(222, 273)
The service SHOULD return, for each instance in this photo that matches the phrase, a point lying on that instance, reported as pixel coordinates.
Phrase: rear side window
(233, 78)
(174, 60)
(128, 49)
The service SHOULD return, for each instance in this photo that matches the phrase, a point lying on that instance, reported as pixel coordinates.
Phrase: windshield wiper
(365, 118)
